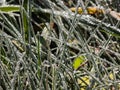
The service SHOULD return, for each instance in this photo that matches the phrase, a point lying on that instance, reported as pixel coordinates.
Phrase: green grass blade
(9, 8)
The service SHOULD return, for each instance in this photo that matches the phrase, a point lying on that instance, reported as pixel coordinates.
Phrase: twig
(85, 19)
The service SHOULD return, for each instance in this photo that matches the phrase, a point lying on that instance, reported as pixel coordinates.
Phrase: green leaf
(78, 61)
(9, 8)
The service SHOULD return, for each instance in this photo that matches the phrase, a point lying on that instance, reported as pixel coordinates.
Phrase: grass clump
(43, 44)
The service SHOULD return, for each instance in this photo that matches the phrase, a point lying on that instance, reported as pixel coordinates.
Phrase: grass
(40, 41)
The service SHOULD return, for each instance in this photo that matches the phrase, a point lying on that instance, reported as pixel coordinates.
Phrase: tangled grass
(40, 40)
